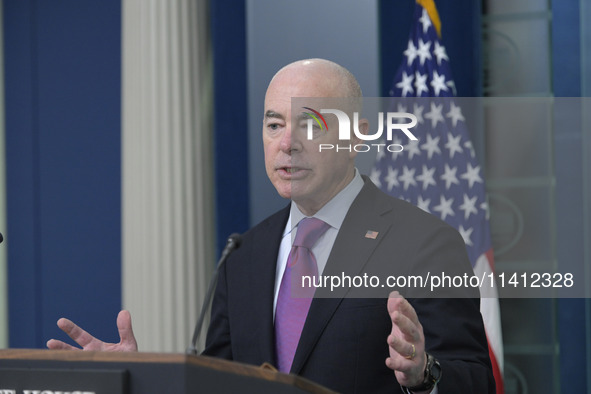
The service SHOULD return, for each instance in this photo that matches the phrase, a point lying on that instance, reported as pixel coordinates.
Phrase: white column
(168, 233)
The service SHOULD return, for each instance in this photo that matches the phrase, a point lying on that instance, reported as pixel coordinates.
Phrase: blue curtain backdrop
(228, 32)
(63, 116)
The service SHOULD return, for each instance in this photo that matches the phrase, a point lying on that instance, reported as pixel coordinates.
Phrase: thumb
(126, 331)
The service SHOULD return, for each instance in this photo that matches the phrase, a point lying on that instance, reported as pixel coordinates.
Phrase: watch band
(432, 375)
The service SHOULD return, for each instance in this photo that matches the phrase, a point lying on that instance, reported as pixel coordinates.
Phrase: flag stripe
(440, 173)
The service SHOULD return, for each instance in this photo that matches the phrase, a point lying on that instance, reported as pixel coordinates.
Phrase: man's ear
(363, 128)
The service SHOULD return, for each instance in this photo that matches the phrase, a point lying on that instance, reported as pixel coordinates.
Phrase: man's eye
(273, 126)
(309, 123)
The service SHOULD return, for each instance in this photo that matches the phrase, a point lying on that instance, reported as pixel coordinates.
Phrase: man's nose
(289, 141)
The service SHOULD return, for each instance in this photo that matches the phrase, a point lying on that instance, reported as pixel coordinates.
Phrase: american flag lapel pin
(371, 234)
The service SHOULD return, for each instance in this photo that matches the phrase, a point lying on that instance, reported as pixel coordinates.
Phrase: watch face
(432, 375)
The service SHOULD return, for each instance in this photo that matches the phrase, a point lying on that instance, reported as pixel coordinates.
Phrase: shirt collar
(334, 211)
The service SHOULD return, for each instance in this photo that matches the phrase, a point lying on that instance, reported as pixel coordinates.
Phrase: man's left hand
(406, 342)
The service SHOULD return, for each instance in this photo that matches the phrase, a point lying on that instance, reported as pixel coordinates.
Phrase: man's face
(294, 164)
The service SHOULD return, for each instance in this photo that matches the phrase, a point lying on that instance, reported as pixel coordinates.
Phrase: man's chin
(291, 190)
(283, 191)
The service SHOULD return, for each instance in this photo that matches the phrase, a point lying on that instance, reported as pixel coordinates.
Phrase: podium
(24, 371)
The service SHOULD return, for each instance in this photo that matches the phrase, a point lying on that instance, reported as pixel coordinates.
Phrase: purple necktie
(293, 300)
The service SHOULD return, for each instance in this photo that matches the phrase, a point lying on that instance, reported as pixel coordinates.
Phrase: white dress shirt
(333, 213)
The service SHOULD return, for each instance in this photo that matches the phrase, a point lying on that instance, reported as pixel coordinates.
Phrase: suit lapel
(350, 253)
(261, 279)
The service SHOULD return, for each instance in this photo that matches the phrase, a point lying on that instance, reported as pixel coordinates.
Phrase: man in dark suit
(346, 341)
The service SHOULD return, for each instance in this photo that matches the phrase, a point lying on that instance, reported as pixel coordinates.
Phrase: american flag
(440, 173)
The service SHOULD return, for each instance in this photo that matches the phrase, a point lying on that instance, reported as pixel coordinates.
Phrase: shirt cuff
(407, 391)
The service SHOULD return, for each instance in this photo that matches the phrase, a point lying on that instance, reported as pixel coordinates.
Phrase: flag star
(397, 153)
(469, 206)
(484, 206)
(412, 148)
(431, 146)
(418, 112)
(452, 85)
(438, 83)
(435, 114)
(466, 234)
(426, 177)
(381, 154)
(444, 207)
(420, 83)
(400, 107)
(408, 177)
(423, 51)
(424, 204)
(425, 21)
(468, 145)
(472, 175)
(375, 177)
(450, 176)
(397, 142)
(453, 144)
(392, 178)
(455, 113)
(406, 84)
(440, 53)
(410, 53)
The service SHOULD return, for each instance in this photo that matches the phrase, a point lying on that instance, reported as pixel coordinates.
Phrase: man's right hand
(88, 342)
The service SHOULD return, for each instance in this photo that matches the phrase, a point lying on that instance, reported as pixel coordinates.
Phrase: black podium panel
(77, 372)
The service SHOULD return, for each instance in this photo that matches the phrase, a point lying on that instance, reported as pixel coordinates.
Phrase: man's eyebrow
(304, 115)
(273, 114)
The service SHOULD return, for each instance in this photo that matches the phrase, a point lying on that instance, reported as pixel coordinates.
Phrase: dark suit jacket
(343, 343)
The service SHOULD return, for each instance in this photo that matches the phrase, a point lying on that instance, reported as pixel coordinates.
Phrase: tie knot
(309, 230)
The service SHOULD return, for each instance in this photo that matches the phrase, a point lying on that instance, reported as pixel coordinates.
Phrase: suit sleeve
(218, 342)
(452, 323)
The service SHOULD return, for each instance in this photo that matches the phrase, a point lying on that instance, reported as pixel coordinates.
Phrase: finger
(396, 302)
(391, 364)
(406, 327)
(408, 311)
(407, 362)
(126, 330)
(54, 344)
(395, 343)
(399, 364)
(402, 347)
(79, 336)
(406, 376)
